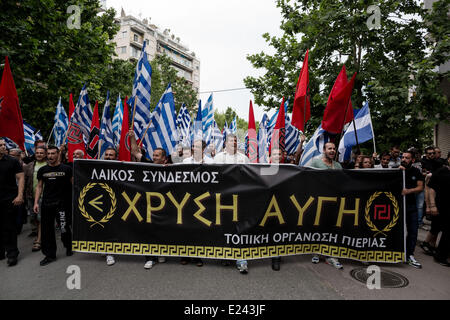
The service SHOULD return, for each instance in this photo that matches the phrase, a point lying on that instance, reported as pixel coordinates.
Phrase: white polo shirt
(225, 157)
(191, 160)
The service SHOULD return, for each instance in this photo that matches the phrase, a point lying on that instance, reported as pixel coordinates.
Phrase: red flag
(71, 107)
(11, 122)
(124, 148)
(252, 137)
(339, 110)
(333, 116)
(74, 134)
(301, 111)
(279, 131)
(92, 146)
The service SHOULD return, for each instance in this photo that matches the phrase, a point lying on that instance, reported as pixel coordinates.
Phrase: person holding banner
(31, 182)
(55, 186)
(276, 157)
(159, 157)
(231, 156)
(414, 183)
(11, 196)
(110, 154)
(327, 162)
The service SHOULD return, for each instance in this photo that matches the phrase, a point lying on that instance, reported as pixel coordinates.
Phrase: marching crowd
(39, 189)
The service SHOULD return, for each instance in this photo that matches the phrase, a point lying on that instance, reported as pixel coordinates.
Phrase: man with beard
(55, 185)
(414, 182)
(327, 159)
(327, 162)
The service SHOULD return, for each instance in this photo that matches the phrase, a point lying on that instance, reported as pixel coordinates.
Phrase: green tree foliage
(50, 60)
(228, 116)
(395, 69)
(163, 74)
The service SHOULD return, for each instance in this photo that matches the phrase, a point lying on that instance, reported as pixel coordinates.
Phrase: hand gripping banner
(236, 212)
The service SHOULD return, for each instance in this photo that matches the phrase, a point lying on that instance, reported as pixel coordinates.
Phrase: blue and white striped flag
(82, 115)
(262, 140)
(233, 126)
(106, 134)
(207, 119)
(31, 135)
(314, 147)
(142, 84)
(271, 124)
(364, 131)
(162, 132)
(225, 131)
(217, 137)
(292, 138)
(197, 133)
(61, 124)
(183, 125)
(117, 122)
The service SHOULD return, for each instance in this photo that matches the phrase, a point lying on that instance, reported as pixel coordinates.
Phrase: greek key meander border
(235, 253)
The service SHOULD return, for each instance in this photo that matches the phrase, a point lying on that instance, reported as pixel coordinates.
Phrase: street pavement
(298, 279)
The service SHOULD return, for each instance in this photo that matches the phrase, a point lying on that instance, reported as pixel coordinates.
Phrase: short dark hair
(111, 148)
(410, 152)
(164, 154)
(53, 147)
(325, 144)
(429, 148)
(385, 153)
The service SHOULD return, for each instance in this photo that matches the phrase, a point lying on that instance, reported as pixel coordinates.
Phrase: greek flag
(117, 121)
(314, 147)
(141, 91)
(82, 116)
(262, 140)
(31, 135)
(183, 125)
(61, 124)
(12, 145)
(106, 134)
(292, 138)
(217, 137)
(271, 124)
(197, 133)
(364, 131)
(225, 131)
(162, 132)
(233, 126)
(207, 119)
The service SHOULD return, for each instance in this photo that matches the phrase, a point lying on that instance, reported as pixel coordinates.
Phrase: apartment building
(134, 31)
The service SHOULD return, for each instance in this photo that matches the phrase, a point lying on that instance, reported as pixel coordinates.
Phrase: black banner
(237, 211)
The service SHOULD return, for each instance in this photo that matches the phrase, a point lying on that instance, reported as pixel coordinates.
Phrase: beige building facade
(130, 40)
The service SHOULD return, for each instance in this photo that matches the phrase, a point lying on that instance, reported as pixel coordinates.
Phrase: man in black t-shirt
(55, 180)
(413, 184)
(12, 183)
(439, 204)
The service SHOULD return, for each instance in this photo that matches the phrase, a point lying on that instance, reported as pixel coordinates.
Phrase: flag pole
(145, 133)
(356, 136)
(343, 123)
(134, 113)
(53, 128)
